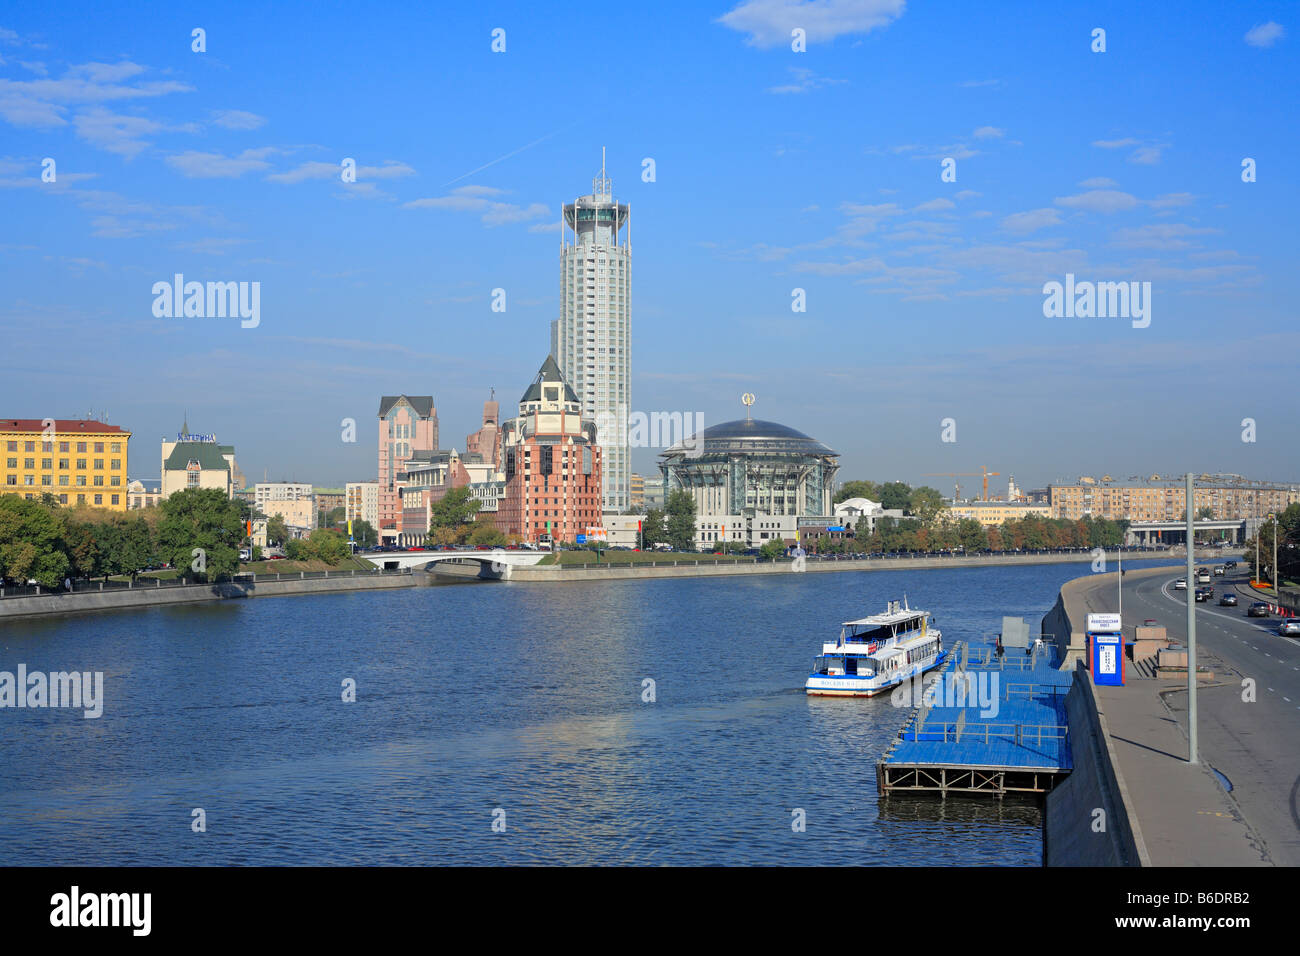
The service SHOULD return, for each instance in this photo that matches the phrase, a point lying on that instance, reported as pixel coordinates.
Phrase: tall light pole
(1191, 627)
(1277, 593)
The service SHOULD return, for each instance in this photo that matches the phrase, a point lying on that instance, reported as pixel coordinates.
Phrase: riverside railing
(142, 583)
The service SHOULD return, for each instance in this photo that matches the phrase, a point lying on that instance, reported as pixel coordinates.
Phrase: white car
(1220, 570)
(1180, 584)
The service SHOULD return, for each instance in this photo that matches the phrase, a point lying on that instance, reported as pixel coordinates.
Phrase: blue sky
(775, 170)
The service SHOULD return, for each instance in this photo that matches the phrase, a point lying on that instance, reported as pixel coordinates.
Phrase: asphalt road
(1255, 745)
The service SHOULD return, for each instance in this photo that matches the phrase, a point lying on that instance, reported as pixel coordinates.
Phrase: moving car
(1290, 627)
(1202, 594)
(1228, 600)
(1202, 577)
(1258, 609)
(1180, 584)
(1220, 570)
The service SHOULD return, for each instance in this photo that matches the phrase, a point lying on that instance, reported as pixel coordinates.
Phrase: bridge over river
(495, 563)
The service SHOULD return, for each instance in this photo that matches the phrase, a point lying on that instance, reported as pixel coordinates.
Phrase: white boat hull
(824, 685)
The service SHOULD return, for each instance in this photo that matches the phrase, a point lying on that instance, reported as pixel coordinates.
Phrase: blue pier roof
(1029, 730)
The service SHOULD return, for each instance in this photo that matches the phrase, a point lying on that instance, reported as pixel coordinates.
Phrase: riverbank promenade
(1180, 813)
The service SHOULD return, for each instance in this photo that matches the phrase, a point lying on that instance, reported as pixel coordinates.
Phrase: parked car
(1258, 609)
(1180, 584)
(1228, 600)
(1290, 627)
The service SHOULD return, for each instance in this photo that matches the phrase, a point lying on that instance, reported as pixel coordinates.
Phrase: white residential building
(267, 491)
(361, 502)
(591, 341)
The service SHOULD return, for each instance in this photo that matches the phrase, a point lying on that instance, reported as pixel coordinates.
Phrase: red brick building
(552, 464)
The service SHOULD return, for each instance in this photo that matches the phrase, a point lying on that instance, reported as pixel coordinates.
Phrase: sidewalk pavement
(1186, 817)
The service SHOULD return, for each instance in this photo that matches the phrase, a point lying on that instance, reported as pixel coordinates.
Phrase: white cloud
(805, 81)
(114, 132)
(1165, 235)
(1031, 221)
(1114, 143)
(1145, 155)
(1171, 200)
(1099, 200)
(1265, 35)
(473, 199)
(237, 119)
(988, 132)
(936, 205)
(197, 165)
(391, 169)
(768, 23)
(1098, 182)
(45, 103)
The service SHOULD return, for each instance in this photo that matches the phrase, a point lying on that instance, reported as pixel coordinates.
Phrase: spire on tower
(601, 186)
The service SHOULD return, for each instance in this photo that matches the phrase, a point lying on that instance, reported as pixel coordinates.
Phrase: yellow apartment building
(79, 462)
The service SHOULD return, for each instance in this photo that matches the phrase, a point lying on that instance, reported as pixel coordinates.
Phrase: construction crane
(982, 473)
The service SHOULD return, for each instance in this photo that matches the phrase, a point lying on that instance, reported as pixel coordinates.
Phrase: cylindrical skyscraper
(591, 340)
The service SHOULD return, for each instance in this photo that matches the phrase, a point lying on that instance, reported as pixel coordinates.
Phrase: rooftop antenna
(600, 186)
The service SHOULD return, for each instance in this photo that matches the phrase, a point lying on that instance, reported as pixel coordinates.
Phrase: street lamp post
(1277, 585)
(1191, 629)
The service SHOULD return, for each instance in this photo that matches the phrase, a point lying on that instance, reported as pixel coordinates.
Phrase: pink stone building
(407, 424)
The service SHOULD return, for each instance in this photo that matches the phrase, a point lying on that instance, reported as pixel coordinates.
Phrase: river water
(480, 702)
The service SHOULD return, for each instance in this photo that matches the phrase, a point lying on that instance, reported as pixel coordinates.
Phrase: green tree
(364, 534)
(484, 531)
(326, 544)
(858, 489)
(31, 542)
(1204, 513)
(896, 496)
(455, 510)
(206, 519)
(773, 549)
(653, 530)
(925, 502)
(277, 532)
(971, 535)
(79, 545)
(680, 525)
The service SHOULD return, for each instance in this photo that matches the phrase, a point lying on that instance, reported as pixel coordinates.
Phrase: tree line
(198, 531)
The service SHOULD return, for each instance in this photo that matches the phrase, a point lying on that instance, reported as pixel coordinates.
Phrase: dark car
(1228, 600)
(1230, 564)
(1258, 609)
(1202, 594)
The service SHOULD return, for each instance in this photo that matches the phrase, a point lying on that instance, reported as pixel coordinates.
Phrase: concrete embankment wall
(686, 568)
(1074, 833)
(1096, 782)
(146, 596)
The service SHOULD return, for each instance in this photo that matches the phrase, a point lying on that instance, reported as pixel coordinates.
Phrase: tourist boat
(876, 653)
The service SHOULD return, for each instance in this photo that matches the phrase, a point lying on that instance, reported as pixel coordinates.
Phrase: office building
(407, 424)
(78, 461)
(592, 339)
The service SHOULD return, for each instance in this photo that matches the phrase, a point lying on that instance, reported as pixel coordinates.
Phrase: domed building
(751, 479)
